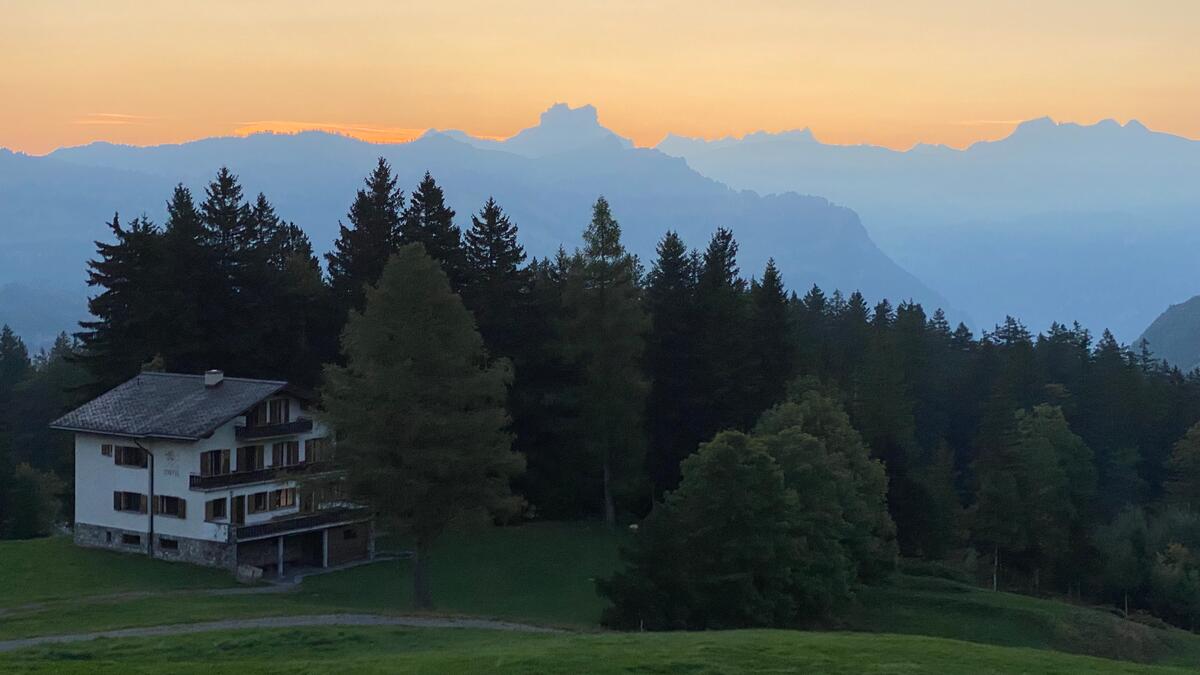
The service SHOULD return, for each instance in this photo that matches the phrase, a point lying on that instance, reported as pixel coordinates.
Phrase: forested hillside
(1054, 461)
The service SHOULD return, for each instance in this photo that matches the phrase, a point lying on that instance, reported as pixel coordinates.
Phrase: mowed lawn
(389, 650)
(540, 573)
(39, 570)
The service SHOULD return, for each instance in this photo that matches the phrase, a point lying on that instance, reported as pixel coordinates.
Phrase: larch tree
(421, 418)
(606, 337)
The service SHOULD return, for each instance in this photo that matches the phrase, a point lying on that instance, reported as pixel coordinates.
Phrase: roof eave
(120, 434)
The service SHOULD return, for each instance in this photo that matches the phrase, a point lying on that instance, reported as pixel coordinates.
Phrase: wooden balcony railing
(299, 426)
(267, 475)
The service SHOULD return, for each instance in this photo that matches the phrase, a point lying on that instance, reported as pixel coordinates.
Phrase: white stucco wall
(97, 477)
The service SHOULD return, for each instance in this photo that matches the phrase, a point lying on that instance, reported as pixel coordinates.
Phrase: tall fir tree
(771, 340)
(428, 221)
(128, 321)
(362, 249)
(497, 286)
(671, 362)
(724, 357)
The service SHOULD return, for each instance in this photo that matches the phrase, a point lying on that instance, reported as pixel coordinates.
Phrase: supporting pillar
(279, 558)
(325, 547)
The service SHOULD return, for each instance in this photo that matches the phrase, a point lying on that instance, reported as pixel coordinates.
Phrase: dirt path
(280, 622)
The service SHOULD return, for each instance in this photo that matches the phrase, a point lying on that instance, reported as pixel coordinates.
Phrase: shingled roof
(167, 405)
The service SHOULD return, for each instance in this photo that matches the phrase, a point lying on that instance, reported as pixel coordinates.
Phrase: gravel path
(280, 622)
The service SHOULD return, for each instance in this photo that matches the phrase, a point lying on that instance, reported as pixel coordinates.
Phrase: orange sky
(875, 71)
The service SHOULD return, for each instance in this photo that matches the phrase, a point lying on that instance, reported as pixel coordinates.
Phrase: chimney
(213, 377)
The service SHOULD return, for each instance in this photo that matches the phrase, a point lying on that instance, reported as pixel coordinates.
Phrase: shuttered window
(286, 453)
(216, 509)
(214, 462)
(129, 501)
(170, 506)
(128, 455)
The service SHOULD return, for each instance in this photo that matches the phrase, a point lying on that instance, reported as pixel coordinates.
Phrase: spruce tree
(497, 286)
(361, 250)
(413, 356)
(672, 362)
(128, 325)
(188, 289)
(771, 341)
(606, 336)
(428, 221)
(723, 377)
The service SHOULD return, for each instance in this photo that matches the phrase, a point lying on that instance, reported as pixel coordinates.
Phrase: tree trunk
(1127, 605)
(610, 511)
(422, 598)
(995, 567)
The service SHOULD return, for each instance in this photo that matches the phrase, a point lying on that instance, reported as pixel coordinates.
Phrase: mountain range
(1097, 223)
(53, 207)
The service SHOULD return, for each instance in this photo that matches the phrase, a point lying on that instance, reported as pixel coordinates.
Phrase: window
(216, 509)
(106, 450)
(127, 455)
(286, 453)
(129, 501)
(316, 449)
(257, 416)
(168, 544)
(214, 462)
(250, 458)
(108, 536)
(170, 506)
(131, 539)
(282, 499)
(278, 411)
(258, 502)
(349, 533)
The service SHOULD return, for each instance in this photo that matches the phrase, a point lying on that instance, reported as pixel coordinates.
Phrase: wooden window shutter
(154, 505)
(106, 450)
(116, 501)
(183, 508)
(142, 503)
(277, 454)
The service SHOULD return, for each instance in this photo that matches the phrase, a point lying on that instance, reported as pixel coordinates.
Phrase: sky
(854, 71)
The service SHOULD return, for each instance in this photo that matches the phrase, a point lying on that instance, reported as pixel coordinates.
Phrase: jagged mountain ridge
(546, 183)
(1056, 221)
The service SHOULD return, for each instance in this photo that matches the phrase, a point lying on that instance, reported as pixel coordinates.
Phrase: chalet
(210, 470)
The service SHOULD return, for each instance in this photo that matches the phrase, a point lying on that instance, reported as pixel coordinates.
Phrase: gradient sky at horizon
(856, 71)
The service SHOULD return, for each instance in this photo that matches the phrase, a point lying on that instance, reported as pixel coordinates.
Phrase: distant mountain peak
(562, 115)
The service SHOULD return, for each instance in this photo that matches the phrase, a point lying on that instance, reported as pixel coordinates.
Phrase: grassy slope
(357, 650)
(939, 608)
(537, 573)
(52, 569)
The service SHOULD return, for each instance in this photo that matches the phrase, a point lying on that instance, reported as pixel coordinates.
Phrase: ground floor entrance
(286, 554)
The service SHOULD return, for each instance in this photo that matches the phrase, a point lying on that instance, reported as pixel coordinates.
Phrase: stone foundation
(195, 551)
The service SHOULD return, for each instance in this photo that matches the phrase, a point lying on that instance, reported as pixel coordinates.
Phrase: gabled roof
(167, 405)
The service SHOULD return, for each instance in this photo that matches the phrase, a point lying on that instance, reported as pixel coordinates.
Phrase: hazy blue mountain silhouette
(1056, 221)
(546, 177)
(1175, 335)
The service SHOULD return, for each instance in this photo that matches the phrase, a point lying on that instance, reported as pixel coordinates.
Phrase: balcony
(302, 523)
(249, 433)
(267, 475)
